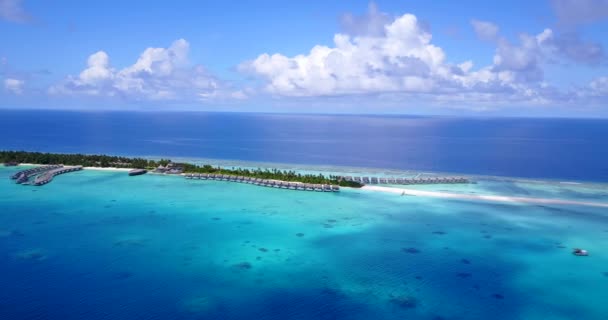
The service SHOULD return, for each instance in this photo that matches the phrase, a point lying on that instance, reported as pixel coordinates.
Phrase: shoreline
(490, 198)
(107, 169)
(421, 193)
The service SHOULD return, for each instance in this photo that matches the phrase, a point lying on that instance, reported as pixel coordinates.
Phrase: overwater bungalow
(382, 180)
(399, 181)
(365, 180)
(22, 179)
(300, 186)
(309, 187)
(160, 169)
(374, 180)
(348, 178)
(292, 186)
(335, 188)
(318, 187)
(391, 181)
(357, 179)
(327, 188)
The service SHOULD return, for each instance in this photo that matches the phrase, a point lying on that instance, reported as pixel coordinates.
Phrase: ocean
(559, 149)
(102, 245)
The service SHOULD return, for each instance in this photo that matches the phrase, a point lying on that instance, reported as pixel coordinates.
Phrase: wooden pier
(299, 186)
(408, 181)
(47, 176)
(33, 171)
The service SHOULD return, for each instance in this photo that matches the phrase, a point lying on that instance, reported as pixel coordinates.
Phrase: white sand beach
(494, 198)
(107, 169)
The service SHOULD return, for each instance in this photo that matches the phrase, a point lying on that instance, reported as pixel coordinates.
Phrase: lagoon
(102, 245)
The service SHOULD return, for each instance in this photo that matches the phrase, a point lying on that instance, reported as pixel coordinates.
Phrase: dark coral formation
(463, 275)
(243, 266)
(263, 249)
(439, 232)
(498, 296)
(405, 302)
(410, 250)
(299, 234)
(465, 261)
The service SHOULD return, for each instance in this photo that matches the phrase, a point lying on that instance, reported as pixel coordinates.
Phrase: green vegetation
(124, 162)
(273, 174)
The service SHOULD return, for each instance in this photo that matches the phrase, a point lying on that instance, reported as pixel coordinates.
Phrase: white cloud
(14, 86)
(12, 10)
(599, 86)
(370, 24)
(401, 63)
(402, 60)
(158, 74)
(485, 30)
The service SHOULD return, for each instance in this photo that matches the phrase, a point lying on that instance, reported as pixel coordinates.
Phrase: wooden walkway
(407, 181)
(266, 183)
(48, 176)
(33, 171)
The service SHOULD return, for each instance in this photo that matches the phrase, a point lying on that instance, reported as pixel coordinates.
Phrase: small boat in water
(137, 172)
(580, 252)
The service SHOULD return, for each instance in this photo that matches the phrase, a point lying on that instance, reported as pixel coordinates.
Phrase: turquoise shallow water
(102, 245)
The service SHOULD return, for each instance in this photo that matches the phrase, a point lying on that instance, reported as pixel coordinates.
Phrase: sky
(544, 58)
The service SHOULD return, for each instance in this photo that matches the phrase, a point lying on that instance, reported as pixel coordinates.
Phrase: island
(167, 166)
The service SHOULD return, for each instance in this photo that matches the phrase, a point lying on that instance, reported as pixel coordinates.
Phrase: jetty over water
(47, 176)
(33, 171)
(408, 181)
(43, 174)
(265, 182)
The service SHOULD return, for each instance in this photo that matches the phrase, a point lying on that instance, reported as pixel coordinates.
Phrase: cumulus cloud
(485, 30)
(571, 16)
(402, 60)
(369, 24)
(599, 86)
(158, 74)
(14, 86)
(12, 10)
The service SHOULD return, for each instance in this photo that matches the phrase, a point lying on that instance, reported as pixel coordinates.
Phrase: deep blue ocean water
(563, 149)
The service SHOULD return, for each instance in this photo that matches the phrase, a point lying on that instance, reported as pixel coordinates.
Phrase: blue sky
(515, 58)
